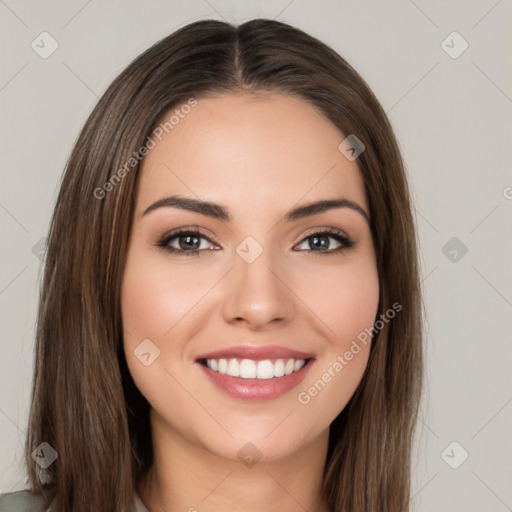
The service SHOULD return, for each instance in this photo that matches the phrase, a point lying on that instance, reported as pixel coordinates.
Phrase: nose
(256, 294)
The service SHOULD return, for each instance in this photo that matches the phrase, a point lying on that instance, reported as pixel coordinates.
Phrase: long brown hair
(84, 402)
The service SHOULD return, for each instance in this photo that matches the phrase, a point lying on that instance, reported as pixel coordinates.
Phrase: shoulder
(22, 501)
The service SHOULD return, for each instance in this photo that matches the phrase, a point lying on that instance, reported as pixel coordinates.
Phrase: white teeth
(223, 366)
(298, 365)
(279, 368)
(265, 369)
(233, 368)
(250, 369)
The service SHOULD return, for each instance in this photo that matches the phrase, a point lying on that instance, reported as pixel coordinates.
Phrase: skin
(258, 156)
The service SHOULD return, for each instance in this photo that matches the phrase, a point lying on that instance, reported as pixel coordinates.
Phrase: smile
(255, 373)
(253, 369)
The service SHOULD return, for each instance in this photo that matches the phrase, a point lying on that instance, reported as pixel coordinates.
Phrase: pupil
(191, 242)
(320, 242)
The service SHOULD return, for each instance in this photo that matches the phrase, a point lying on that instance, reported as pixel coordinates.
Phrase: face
(244, 287)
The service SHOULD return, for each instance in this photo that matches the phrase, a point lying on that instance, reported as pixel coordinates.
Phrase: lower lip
(257, 389)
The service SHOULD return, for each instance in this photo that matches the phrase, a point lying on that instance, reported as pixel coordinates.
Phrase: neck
(187, 477)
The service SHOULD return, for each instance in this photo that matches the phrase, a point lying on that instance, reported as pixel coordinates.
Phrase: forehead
(264, 151)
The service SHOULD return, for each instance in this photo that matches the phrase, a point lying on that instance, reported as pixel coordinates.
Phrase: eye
(186, 242)
(321, 241)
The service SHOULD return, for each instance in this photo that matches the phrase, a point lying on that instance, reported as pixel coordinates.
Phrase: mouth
(255, 373)
(251, 369)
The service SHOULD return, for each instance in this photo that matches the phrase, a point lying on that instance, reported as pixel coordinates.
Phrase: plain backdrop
(442, 72)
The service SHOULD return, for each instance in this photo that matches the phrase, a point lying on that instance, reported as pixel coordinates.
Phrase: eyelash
(345, 241)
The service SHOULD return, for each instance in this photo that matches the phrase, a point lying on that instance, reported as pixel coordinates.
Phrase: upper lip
(256, 352)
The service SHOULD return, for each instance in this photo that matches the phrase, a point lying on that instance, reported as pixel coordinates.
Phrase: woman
(231, 314)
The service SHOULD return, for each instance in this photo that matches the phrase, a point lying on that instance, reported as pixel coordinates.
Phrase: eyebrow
(218, 212)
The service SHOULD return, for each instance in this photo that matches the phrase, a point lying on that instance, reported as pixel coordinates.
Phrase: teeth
(298, 365)
(223, 366)
(233, 368)
(250, 369)
(265, 369)
(278, 369)
(290, 365)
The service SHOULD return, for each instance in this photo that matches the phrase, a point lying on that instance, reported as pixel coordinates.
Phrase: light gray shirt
(23, 501)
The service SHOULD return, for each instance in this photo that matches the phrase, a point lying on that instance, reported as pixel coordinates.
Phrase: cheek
(355, 303)
(344, 300)
(155, 297)
(158, 302)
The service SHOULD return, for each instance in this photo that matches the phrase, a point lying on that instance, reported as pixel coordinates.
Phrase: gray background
(452, 117)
